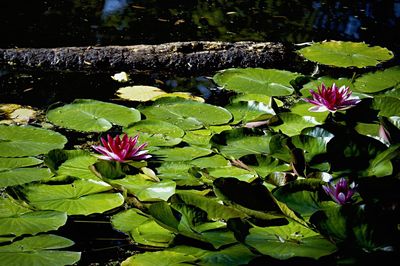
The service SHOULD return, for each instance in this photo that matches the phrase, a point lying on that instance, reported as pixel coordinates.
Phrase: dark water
(32, 23)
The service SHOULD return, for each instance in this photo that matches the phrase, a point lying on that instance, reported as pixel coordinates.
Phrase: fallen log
(178, 57)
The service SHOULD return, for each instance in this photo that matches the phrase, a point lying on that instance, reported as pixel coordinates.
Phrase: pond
(243, 171)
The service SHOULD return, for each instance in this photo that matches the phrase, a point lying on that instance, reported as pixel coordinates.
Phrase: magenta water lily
(122, 149)
(331, 99)
(341, 192)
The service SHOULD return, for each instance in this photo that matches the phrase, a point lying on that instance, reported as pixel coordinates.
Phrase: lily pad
(186, 114)
(12, 163)
(142, 228)
(181, 154)
(156, 132)
(379, 80)
(19, 141)
(250, 111)
(39, 250)
(159, 258)
(82, 197)
(292, 240)
(387, 106)
(293, 124)
(20, 176)
(139, 93)
(92, 116)
(145, 189)
(346, 54)
(270, 82)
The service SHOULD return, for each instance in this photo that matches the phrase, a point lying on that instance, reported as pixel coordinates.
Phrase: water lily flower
(121, 149)
(331, 99)
(341, 192)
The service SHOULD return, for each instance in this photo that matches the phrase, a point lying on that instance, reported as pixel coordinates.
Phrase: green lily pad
(78, 167)
(12, 163)
(293, 124)
(181, 154)
(20, 176)
(186, 114)
(17, 219)
(181, 173)
(39, 250)
(156, 132)
(232, 171)
(270, 82)
(32, 222)
(249, 111)
(19, 141)
(92, 116)
(292, 240)
(82, 197)
(346, 54)
(301, 109)
(378, 81)
(142, 229)
(159, 258)
(145, 189)
(239, 142)
(387, 106)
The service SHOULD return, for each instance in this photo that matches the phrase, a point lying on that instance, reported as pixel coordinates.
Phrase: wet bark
(179, 57)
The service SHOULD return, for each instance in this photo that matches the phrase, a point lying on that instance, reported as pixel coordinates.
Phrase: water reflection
(126, 22)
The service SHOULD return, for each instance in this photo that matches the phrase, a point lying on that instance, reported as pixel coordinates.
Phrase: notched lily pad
(92, 116)
(270, 82)
(19, 141)
(346, 54)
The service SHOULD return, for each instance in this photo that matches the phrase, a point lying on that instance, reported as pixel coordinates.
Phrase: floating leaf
(159, 258)
(387, 106)
(82, 197)
(142, 229)
(39, 250)
(19, 141)
(156, 132)
(92, 116)
(378, 81)
(139, 93)
(292, 240)
(187, 114)
(145, 189)
(181, 154)
(301, 109)
(78, 167)
(240, 142)
(346, 54)
(11, 163)
(32, 222)
(249, 111)
(20, 176)
(293, 124)
(270, 82)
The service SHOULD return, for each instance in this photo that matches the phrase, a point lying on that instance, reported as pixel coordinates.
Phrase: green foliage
(346, 54)
(92, 116)
(270, 82)
(217, 190)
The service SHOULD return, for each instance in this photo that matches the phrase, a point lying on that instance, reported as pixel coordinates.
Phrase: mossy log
(178, 57)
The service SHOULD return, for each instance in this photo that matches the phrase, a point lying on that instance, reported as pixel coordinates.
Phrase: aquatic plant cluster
(312, 180)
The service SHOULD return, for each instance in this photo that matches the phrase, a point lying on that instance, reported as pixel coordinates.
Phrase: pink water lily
(341, 192)
(331, 99)
(121, 149)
